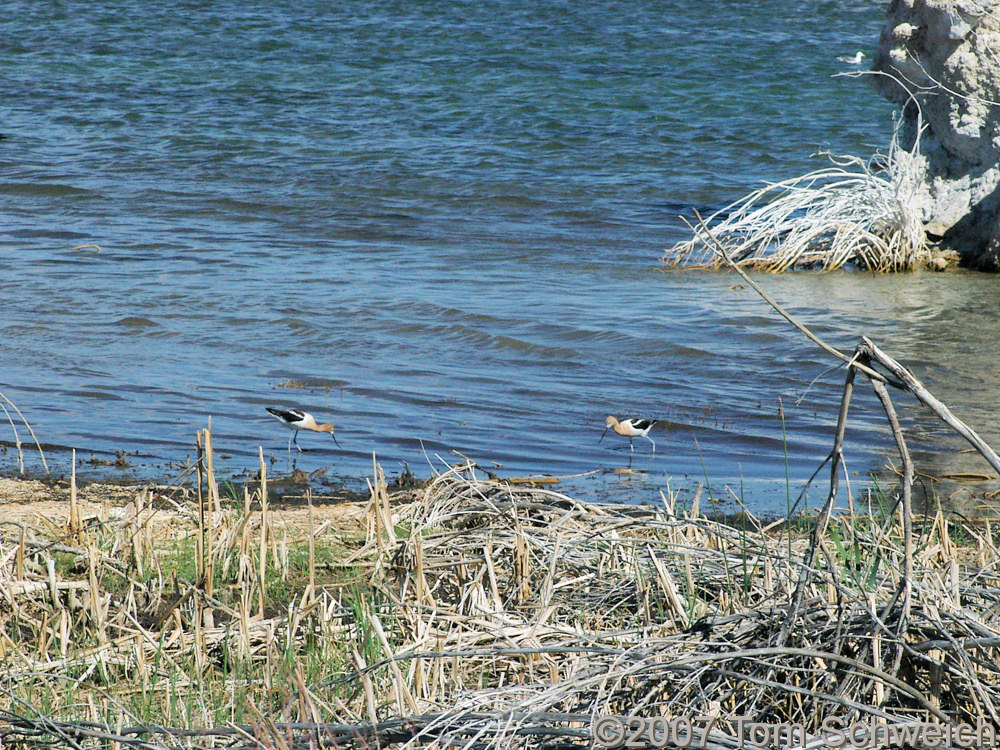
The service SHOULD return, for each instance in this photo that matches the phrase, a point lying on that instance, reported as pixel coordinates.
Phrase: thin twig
(41, 453)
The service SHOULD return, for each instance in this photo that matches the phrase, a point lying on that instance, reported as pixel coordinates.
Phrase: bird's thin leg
(652, 441)
(296, 440)
(289, 449)
(630, 448)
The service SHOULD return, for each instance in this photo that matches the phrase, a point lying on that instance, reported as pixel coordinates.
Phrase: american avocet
(630, 428)
(295, 420)
(855, 60)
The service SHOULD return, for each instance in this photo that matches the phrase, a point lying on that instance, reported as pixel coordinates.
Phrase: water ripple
(438, 227)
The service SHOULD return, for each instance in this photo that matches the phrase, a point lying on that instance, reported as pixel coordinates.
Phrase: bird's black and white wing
(287, 415)
(642, 424)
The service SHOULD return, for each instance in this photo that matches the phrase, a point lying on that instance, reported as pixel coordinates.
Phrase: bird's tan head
(325, 428)
(610, 422)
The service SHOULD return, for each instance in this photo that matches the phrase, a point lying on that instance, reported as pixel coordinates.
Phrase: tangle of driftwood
(866, 357)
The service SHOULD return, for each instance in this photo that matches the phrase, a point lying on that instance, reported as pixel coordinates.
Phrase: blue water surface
(438, 225)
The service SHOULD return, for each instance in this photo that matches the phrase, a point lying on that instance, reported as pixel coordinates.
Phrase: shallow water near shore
(438, 227)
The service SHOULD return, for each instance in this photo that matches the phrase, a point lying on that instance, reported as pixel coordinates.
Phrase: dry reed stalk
(50, 569)
(522, 563)
(135, 535)
(17, 438)
(380, 510)
(75, 523)
(368, 688)
(19, 557)
(95, 596)
(201, 545)
(200, 650)
(212, 507)
(423, 592)
(264, 533)
(38, 445)
(312, 545)
(405, 696)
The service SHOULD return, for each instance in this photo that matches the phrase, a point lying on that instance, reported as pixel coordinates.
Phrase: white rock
(929, 48)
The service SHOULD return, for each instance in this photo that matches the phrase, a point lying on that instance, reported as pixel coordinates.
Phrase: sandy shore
(45, 503)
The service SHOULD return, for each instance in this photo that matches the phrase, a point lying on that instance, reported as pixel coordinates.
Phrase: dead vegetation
(473, 613)
(856, 212)
(4, 403)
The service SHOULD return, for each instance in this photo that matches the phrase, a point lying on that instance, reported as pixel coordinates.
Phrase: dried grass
(480, 614)
(662, 613)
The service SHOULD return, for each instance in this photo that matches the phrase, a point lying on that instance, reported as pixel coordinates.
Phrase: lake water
(438, 225)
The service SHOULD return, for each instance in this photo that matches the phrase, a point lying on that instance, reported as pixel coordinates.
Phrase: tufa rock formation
(941, 60)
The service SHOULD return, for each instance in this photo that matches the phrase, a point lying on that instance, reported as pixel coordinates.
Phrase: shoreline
(971, 496)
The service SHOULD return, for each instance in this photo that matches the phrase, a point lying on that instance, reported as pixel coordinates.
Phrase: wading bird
(630, 428)
(295, 420)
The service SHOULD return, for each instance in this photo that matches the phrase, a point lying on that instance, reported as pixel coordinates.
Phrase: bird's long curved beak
(336, 441)
(603, 434)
